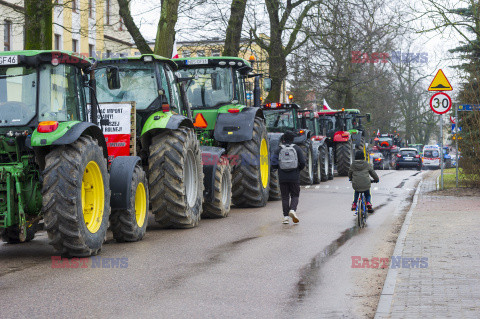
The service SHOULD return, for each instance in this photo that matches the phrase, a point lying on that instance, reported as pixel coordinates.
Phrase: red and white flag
(175, 52)
(325, 105)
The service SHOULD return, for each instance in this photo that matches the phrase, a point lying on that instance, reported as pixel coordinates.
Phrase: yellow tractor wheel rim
(264, 165)
(140, 204)
(93, 197)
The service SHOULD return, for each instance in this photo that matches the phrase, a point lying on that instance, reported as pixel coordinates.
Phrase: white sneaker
(286, 220)
(293, 215)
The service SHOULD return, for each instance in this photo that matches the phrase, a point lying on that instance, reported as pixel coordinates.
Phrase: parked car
(408, 158)
(431, 156)
(378, 161)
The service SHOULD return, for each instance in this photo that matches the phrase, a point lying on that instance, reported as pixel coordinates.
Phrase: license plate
(408, 158)
(197, 62)
(9, 60)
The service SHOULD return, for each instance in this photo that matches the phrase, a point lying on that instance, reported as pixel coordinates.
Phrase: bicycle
(361, 210)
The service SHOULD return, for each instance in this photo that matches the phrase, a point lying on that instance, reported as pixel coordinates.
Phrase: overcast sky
(146, 14)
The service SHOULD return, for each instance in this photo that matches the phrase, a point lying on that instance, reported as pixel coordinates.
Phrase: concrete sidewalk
(446, 230)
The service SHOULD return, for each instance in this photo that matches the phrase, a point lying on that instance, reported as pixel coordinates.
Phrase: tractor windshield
(138, 84)
(18, 94)
(210, 87)
(58, 99)
(279, 120)
(61, 93)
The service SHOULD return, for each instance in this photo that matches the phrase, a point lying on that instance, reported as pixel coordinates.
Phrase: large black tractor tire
(76, 197)
(131, 224)
(222, 192)
(306, 174)
(361, 145)
(175, 178)
(323, 162)
(11, 235)
(250, 168)
(331, 166)
(275, 193)
(317, 169)
(344, 155)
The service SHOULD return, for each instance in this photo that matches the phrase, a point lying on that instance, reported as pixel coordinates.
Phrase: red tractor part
(341, 136)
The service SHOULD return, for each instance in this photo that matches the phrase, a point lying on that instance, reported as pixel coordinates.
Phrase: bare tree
(234, 28)
(165, 37)
(285, 23)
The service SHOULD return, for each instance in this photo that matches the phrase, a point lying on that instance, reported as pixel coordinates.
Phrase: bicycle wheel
(360, 214)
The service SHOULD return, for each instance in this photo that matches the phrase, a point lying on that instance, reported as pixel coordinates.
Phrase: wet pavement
(443, 231)
(247, 265)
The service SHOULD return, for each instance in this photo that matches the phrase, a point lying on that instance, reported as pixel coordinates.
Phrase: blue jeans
(368, 197)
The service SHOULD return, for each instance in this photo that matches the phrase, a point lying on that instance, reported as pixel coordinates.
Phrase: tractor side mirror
(113, 78)
(368, 117)
(267, 84)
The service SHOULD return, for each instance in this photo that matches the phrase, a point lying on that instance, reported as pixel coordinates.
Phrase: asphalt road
(248, 265)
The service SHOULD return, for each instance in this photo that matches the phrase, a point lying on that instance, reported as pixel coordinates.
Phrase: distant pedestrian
(289, 161)
(359, 173)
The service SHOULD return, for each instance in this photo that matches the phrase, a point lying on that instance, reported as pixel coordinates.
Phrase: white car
(431, 156)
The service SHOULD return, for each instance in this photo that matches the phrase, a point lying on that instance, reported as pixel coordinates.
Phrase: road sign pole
(441, 151)
(457, 122)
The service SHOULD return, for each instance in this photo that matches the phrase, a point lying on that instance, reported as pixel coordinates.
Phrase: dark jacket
(289, 176)
(359, 173)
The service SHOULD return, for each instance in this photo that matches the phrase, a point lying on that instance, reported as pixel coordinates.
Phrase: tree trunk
(140, 42)
(38, 24)
(234, 28)
(166, 28)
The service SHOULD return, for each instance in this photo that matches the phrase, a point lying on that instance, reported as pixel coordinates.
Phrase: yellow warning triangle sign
(440, 83)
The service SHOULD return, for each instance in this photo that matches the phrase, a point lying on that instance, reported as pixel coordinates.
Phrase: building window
(201, 53)
(58, 42)
(90, 8)
(75, 46)
(107, 11)
(186, 53)
(91, 50)
(215, 52)
(7, 35)
(109, 53)
(74, 5)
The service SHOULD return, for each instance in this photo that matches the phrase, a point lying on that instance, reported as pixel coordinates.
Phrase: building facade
(88, 27)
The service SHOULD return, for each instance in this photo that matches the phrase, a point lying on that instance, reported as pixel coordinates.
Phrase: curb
(386, 298)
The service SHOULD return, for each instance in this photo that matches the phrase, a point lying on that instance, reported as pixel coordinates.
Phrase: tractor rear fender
(121, 173)
(274, 140)
(236, 127)
(41, 145)
(300, 139)
(210, 159)
(341, 136)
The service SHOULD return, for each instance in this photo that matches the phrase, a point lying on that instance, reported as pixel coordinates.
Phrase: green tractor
(216, 91)
(179, 193)
(53, 162)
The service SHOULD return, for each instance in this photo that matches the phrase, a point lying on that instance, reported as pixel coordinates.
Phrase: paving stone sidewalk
(446, 230)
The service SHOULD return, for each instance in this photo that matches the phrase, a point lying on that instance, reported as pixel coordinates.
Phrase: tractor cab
(41, 88)
(281, 117)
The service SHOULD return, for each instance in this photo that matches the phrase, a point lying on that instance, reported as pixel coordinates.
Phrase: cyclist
(359, 173)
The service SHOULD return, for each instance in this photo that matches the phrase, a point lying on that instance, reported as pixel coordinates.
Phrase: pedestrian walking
(289, 161)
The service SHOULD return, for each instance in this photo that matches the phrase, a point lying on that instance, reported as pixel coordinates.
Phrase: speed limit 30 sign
(440, 103)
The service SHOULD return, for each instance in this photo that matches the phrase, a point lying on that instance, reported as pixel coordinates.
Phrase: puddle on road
(309, 274)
